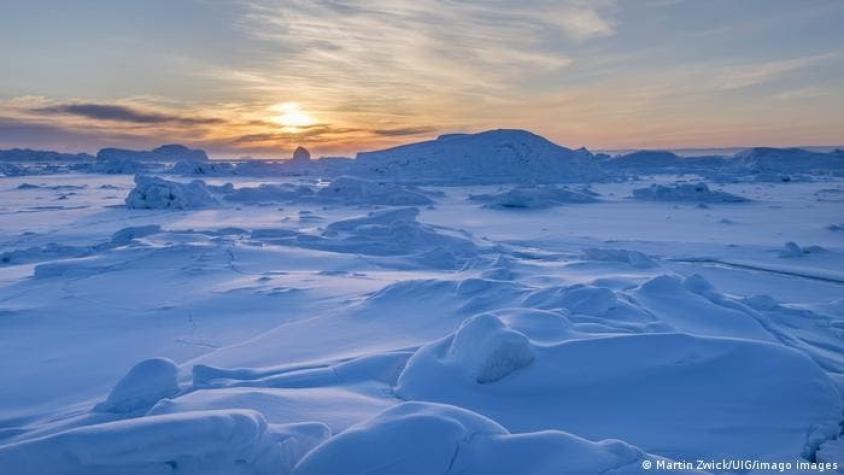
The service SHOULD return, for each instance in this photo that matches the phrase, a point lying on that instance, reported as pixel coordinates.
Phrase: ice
(766, 160)
(301, 154)
(156, 193)
(699, 192)
(201, 168)
(662, 162)
(393, 233)
(634, 258)
(127, 235)
(165, 153)
(269, 193)
(535, 197)
(348, 190)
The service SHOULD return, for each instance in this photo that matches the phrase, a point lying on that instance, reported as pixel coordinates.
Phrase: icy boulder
(348, 190)
(124, 236)
(144, 385)
(633, 258)
(301, 155)
(661, 161)
(416, 438)
(10, 169)
(164, 153)
(116, 165)
(156, 193)
(195, 443)
(201, 168)
(697, 192)
(495, 156)
(29, 155)
(766, 160)
(534, 197)
(483, 350)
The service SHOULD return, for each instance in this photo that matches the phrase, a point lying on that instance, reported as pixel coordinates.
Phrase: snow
(685, 192)
(156, 193)
(482, 350)
(423, 438)
(363, 317)
(224, 442)
(144, 385)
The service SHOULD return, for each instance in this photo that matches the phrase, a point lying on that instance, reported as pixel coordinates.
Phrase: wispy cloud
(391, 55)
(122, 113)
(746, 75)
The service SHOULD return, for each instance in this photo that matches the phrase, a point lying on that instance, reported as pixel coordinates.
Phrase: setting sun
(290, 116)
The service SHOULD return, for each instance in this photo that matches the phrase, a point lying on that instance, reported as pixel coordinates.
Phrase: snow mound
(792, 250)
(424, 438)
(495, 156)
(482, 350)
(686, 192)
(144, 385)
(348, 190)
(777, 403)
(535, 197)
(393, 232)
(204, 442)
(156, 193)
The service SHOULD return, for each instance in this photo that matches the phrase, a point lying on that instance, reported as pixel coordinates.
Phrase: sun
(291, 116)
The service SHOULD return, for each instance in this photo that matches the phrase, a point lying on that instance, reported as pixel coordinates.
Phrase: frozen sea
(447, 331)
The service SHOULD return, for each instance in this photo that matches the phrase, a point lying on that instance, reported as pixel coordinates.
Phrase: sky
(259, 77)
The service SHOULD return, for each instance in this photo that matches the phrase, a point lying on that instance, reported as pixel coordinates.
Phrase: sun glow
(290, 116)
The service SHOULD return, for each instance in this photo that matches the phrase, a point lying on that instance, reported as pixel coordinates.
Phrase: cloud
(420, 55)
(121, 113)
(738, 77)
(405, 131)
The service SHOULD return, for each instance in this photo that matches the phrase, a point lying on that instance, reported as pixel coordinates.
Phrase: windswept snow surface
(362, 324)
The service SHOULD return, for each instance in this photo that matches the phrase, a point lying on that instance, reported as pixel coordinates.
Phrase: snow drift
(203, 442)
(648, 390)
(417, 438)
